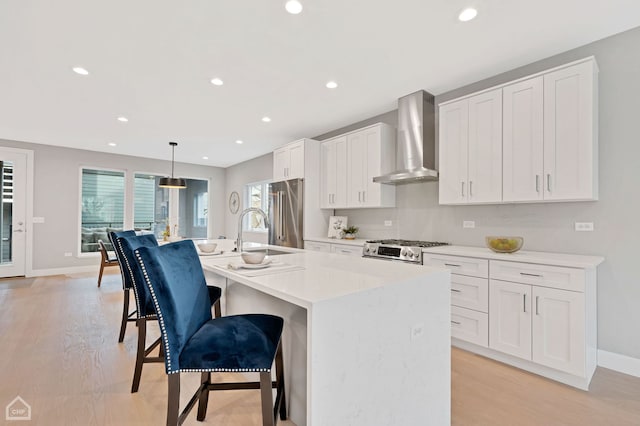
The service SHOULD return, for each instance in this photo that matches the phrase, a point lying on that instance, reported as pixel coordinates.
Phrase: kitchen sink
(271, 252)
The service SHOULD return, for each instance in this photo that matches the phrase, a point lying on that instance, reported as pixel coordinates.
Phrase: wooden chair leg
(100, 274)
(205, 379)
(142, 342)
(125, 315)
(266, 396)
(281, 397)
(216, 309)
(173, 402)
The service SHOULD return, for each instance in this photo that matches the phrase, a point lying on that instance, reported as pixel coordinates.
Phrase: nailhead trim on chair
(133, 282)
(166, 341)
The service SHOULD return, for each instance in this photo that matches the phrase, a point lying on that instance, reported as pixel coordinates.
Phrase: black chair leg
(142, 341)
(205, 380)
(216, 309)
(280, 393)
(125, 316)
(266, 396)
(173, 402)
(100, 274)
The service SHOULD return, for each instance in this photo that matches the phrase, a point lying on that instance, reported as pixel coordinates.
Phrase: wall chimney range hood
(415, 145)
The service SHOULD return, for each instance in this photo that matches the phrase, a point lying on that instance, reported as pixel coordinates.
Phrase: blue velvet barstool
(145, 309)
(126, 283)
(194, 342)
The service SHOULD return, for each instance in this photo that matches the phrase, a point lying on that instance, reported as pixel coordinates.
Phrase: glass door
(12, 213)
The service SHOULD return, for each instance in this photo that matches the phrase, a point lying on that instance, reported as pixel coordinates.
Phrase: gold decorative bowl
(504, 244)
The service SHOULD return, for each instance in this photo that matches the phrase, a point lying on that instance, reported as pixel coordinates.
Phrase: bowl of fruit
(504, 244)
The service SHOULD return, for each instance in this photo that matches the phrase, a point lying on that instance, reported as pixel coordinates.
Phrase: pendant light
(172, 182)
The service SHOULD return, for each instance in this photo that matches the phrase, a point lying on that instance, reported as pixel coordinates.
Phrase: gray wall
(56, 196)
(256, 170)
(549, 227)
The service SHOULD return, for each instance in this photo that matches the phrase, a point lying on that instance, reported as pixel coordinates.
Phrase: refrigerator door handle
(281, 211)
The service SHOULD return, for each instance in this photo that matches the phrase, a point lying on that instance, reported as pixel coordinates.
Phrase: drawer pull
(455, 322)
(524, 303)
(345, 251)
(531, 275)
(453, 264)
(537, 305)
(456, 290)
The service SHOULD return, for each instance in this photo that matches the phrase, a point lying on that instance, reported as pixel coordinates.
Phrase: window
(193, 206)
(256, 195)
(150, 204)
(102, 207)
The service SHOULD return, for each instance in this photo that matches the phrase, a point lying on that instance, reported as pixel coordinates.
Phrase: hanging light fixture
(172, 182)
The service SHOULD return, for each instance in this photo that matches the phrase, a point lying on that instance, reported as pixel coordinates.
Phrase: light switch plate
(584, 226)
(468, 224)
(37, 219)
(388, 223)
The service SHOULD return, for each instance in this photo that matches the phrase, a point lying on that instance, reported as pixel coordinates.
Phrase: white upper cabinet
(570, 133)
(349, 164)
(471, 150)
(333, 170)
(288, 161)
(522, 141)
(532, 140)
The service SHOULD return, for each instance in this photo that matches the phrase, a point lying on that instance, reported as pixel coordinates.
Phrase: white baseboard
(620, 363)
(62, 271)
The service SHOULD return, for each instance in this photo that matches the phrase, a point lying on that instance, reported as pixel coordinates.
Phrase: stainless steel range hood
(416, 145)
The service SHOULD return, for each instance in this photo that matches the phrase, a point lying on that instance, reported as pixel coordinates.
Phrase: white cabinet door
(523, 141)
(357, 146)
(371, 191)
(280, 163)
(570, 133)
(333, 169)
(469, 325)
(485, 148)
(346, 249)
(559, 329)
(296, 160)
(317, 246)
(510, 318)
(453, 152)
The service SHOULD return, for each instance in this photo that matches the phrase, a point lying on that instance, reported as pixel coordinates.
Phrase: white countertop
(325, 275)
(357, 242)
(537, 257)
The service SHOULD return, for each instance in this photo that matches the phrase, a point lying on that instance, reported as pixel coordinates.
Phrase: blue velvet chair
(194, 342)
(145, 310)
(126, 283)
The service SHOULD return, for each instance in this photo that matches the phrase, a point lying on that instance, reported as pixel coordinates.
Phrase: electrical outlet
(37, 220)
(68, 254)
(584, 226)
(416, 331)
(388, 223)
(468, 224)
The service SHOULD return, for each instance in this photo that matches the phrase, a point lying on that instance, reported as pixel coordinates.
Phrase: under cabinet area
(531, 140)
(349, 163)
(541, 317)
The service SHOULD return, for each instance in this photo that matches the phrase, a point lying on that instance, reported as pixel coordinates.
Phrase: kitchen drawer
(346, 249)
(458, 264)
(317, 246)
(542, 275)
(470, 292)
(470, 326)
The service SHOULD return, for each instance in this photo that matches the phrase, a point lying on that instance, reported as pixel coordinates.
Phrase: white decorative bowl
(207, 247)
(253, 258)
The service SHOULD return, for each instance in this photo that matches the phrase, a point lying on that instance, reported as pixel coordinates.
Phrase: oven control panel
(392, 252)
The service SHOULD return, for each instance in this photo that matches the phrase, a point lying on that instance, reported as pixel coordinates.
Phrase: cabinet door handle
(363, 197)
(537, 183)
(531, 275)
(470, 188)
(455, 322)
(345, 251)
(462, 189)
(548, 182)
(537, 305)
(453, 265)
(524, 303)
(456, 290)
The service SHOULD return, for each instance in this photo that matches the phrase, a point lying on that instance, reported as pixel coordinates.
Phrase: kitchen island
(366, 342)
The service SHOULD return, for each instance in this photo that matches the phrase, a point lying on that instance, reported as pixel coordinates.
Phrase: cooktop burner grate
(409, 243)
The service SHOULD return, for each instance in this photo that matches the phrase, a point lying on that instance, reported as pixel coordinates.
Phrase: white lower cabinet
(470, 325)
(317, 246)
(510, 318)
(346, 249)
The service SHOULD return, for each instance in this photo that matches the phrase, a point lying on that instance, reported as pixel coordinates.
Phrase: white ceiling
(152, 61)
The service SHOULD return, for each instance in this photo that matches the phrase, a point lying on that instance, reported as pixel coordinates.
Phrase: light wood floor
(59, 352)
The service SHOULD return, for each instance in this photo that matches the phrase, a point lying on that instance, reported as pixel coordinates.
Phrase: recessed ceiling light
(80, 70)
(112, 144)
(205, 158)
(293, 7)
(332, 85)
(266, 119)
(467, 14)
(123, 119)
(239, 142)
(217, 82)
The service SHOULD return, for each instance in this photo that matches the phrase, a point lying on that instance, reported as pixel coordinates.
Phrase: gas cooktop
(402, 250)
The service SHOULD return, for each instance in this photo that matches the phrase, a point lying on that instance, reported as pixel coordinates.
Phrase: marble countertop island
(366, 341)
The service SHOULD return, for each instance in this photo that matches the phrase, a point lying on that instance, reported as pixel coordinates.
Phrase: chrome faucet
(244, 212)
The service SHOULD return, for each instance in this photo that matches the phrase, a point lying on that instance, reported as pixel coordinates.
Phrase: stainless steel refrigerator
(285, 213)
